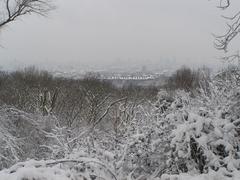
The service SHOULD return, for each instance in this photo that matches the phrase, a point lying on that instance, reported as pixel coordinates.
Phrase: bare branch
(107, 110)
(235, 58)
(233, 28)
(14, 9)
(223, 4)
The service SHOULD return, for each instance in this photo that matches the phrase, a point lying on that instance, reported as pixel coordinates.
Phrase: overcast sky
(106, 31)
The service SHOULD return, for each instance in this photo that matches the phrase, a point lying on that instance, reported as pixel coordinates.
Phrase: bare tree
(13, 9)
(233, 27)
(185, 79)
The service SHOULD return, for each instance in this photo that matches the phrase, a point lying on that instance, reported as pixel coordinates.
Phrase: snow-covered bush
(208, 139)
(22, 135)
(139, 147)
(179, 132)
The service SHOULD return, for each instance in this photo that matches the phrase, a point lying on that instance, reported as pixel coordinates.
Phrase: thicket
(96, 131)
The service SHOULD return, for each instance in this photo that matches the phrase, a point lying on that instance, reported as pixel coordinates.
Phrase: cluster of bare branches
(233, 27)
(223, 4)
(232, 58)
(13, 9)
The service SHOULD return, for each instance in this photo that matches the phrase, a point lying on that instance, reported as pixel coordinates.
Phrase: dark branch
(17, 8)
(233, 28)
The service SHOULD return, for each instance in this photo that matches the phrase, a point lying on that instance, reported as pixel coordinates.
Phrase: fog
(93, 33)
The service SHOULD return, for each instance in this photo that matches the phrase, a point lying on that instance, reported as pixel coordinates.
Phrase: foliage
(113, 136)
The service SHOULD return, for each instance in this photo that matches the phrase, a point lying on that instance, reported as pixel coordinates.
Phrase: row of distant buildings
(128, 77)
(106, 75)
(131, 76)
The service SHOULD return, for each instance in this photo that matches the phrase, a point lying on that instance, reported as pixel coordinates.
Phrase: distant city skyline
(120, 65)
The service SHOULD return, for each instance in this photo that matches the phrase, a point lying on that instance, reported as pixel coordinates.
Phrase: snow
(185, 137)
(30, 172)
(210, 176)
(37, 170)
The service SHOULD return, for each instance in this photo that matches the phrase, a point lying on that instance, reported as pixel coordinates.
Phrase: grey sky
(104, 31)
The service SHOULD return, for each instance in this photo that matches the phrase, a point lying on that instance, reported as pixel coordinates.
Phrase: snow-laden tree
(22, 135)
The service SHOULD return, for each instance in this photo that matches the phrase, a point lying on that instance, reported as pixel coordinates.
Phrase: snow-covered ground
(52, 170)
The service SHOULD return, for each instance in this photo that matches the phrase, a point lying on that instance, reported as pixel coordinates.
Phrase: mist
(91, 33)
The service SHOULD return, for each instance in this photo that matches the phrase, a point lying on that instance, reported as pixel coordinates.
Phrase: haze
(107, 32)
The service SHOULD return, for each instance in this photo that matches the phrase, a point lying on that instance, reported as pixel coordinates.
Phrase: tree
(13, 9)
(185, 79)
(233, 27)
